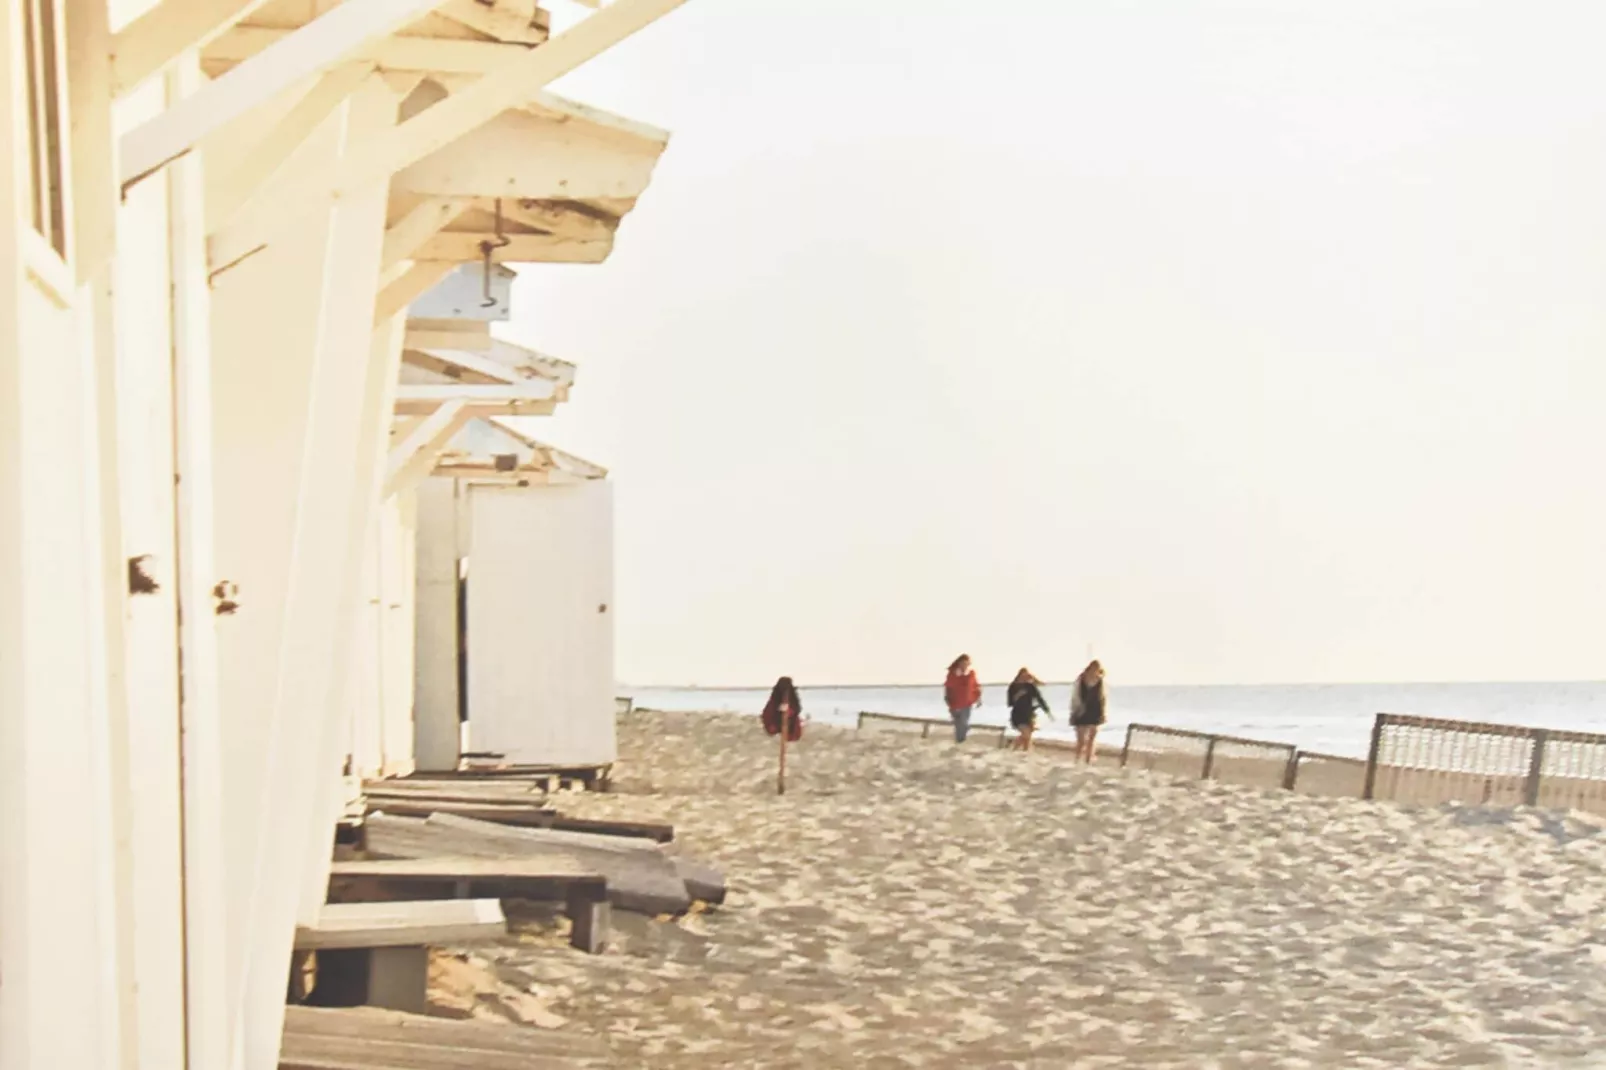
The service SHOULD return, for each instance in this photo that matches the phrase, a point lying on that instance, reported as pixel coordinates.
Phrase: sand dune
(909, 905)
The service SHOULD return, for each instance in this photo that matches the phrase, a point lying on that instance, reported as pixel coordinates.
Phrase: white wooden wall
(64, 997)
(540, 623)
(381, 687)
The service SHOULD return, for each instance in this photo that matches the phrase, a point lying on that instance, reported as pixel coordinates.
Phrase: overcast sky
(1244, 341)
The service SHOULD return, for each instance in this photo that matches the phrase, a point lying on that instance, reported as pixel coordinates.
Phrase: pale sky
(1245, 341)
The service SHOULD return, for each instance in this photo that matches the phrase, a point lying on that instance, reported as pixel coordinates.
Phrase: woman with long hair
(783, 716)
(963, 694)
(1087, 709)
(1025, 699)
(784, 708)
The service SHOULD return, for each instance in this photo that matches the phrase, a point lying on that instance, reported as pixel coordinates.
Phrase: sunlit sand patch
(916, 904)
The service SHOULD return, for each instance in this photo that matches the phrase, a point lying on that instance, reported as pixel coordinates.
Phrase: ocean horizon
(1328, 718)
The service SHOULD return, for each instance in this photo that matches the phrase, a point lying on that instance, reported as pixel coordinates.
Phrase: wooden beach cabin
(515, 615)
(218, 213)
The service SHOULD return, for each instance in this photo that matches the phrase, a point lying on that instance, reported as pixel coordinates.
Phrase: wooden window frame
(45, 58)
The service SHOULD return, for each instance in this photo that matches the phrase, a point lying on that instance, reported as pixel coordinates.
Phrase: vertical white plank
(145, 445)
(265, 332)
(341, 451)
(398, 587)
(436, 732)
(210, 1019)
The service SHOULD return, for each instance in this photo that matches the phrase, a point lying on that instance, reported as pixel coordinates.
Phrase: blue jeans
(961, 723)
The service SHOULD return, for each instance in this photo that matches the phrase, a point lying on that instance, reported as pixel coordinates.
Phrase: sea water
(1332, 718)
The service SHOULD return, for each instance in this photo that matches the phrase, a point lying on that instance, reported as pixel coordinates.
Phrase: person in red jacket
(784, 707)
(963, 694)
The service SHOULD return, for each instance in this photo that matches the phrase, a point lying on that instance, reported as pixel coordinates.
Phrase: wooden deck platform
(506, 812)
(363, 1038)
(640, 876)
(582, 890)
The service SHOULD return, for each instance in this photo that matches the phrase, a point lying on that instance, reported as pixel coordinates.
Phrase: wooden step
(417, 923)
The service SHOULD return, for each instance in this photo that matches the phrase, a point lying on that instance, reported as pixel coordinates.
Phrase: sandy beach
(913, 904)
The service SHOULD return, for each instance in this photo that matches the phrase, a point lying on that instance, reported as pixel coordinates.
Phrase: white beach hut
(218, 212)
(514, 605)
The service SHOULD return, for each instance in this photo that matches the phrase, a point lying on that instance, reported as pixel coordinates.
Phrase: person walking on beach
(1025, 699)
(1087, 709)
(784, 708)
(963, 694)
(783, 716)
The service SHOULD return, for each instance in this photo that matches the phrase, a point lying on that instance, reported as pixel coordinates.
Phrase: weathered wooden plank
(407, 924)
(644, 883)
(640, 878)
(340, 1053)
(468, 869)
(521, 815)
(368, 1023)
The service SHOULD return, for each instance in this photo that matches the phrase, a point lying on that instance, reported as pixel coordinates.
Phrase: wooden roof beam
(535, 397)
(528, 26)
(314, 48)
(167, 31)
(514, 249)
(502, 359)
(235, 186)
(408, 234)
(442, 123)
(427, 55)
(411, 459)
(396, 294)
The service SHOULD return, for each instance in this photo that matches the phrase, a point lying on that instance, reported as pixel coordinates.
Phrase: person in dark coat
(1025, 699)
(784, 707)
(1087, 709)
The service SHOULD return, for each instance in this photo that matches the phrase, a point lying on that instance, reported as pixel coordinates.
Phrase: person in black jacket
(1025, 699)
(1087, 709)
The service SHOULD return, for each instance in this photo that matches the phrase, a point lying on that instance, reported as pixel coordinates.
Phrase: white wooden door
(540, 623)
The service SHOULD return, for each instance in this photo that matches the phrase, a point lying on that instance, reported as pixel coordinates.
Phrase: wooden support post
(1209, 759)
(590, 918)
(1536, 767)
(1291, 774)
(1369, 791)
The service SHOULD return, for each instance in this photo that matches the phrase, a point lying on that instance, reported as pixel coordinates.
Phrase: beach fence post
(1209, 759)
(1291, 774)
(1126, 744)
(1372, 752)
(1536, 765)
